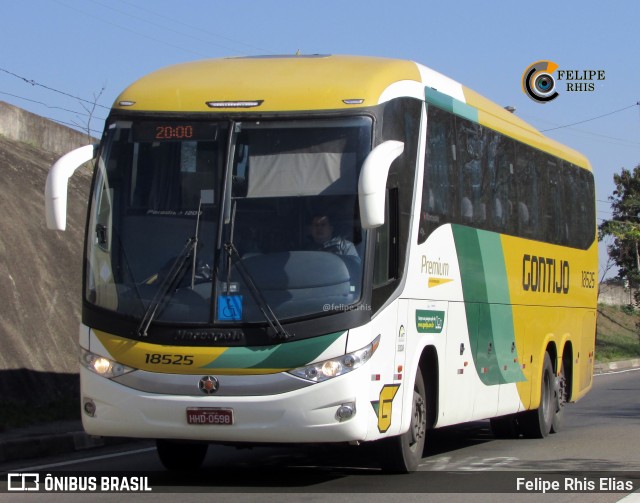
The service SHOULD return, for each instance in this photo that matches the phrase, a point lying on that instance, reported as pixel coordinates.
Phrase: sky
(56, 53)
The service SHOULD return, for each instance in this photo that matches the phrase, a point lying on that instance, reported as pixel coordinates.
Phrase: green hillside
(617, 333)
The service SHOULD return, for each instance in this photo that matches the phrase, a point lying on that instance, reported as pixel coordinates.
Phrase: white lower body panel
(304, 415)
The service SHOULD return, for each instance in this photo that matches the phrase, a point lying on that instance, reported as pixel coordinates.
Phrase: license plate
(202, 415)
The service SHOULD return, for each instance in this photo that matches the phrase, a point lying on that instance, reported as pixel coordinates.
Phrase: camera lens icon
(538, 83)
(544, 83)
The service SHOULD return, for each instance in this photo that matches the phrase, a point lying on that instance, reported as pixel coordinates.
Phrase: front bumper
(304, 415)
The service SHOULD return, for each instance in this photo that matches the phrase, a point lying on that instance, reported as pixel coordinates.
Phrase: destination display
(182, 131)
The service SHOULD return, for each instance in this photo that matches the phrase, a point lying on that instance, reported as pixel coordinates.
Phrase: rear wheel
(403, 453)
(561, 394)
(537, 423)
(181, 456)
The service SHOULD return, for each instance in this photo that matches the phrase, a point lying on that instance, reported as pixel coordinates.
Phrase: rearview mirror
(55, 192)
(373, 182)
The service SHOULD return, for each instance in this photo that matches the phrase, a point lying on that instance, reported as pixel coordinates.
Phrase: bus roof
(269, 84)
(283, 83)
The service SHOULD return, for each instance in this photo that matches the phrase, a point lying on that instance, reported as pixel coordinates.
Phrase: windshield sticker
(229, 307)
(429, 322)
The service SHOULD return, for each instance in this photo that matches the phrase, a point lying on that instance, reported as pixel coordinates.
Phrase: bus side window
(440, 180)
(587, 210)
(528, 191)
(553, 223)
(470, 151)
(385, 264)
(503, 185)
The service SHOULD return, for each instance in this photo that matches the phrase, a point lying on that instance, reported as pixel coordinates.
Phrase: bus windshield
(214, 222)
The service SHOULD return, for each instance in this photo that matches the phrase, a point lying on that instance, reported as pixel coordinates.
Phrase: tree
(624, 227)
(90, 109)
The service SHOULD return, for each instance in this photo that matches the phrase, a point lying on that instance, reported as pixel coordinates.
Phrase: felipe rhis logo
(538, 83)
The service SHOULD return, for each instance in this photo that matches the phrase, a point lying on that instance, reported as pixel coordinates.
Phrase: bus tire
(403, 453)
(537, 423)
(560, 397)
(181, 456)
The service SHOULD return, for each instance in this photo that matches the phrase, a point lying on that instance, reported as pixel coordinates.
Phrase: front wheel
(403, 453)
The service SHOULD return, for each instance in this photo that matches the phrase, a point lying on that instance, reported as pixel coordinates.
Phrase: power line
(175, 21)
(49, 88)
(50, 106)
(623, 142)
(593, 118)
(74, 126)
(139, 34)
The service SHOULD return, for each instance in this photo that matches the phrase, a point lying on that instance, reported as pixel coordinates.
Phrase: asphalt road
(601, 435)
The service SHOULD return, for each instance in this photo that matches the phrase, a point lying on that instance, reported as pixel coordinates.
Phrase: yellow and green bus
(328, 249)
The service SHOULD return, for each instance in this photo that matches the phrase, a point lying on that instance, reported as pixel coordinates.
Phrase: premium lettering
(434, 267)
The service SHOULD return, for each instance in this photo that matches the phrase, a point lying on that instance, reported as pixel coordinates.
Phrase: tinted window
(478, 177)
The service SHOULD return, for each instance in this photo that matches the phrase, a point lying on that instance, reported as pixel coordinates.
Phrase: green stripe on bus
(500, 309)
(487, 303)
(496, 283)
(288, 355)
(474, 288)
(450, 104)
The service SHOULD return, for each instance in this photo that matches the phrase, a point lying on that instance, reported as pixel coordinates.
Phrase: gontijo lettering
(544, 274)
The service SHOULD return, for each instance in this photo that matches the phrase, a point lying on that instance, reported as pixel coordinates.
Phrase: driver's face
(321, 229)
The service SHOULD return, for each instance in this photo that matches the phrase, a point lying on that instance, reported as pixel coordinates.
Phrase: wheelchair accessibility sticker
(229, 307)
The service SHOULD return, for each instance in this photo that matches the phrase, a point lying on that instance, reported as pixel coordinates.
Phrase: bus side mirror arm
(55, 192)
(373, 182)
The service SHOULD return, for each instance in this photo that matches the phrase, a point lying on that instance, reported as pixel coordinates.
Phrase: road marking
(471, 463)
(83, 460)
(617, 372)
(631, 498)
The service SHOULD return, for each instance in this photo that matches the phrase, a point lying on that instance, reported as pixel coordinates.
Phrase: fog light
(89, 407)
(346, 411)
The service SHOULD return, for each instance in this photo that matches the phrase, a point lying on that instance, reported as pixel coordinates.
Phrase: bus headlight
(103, 366)
(328, 369)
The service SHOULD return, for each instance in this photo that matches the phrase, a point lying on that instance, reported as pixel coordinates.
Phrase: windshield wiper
(278, 330)
(169, 283)
(227, 218)
(178, 268)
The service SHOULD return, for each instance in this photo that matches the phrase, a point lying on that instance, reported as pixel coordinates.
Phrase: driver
(323, 238)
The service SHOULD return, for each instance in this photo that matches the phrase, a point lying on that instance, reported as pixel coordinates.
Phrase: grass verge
(617, 335)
